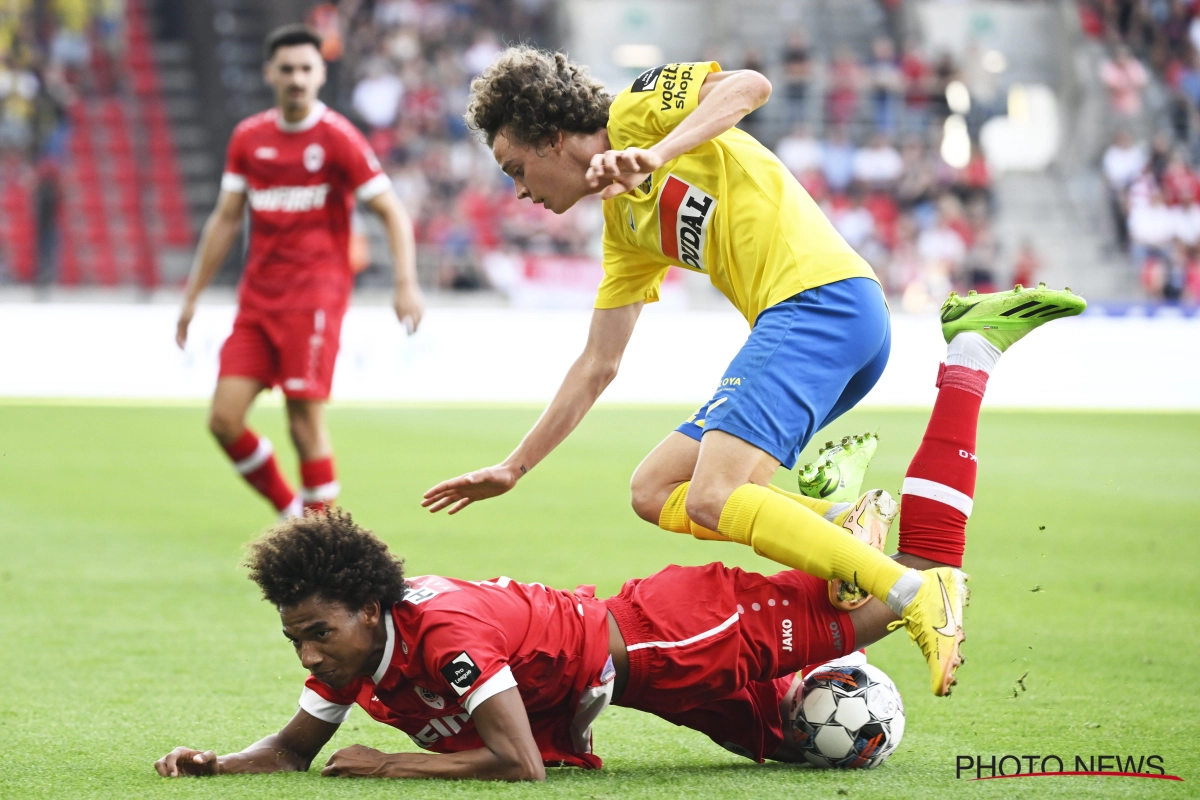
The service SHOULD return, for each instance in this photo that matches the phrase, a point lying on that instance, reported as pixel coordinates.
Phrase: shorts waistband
(633, 630)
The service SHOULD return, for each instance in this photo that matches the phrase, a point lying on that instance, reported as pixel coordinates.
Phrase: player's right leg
(939, 487)
(252, 455)
(249, 362)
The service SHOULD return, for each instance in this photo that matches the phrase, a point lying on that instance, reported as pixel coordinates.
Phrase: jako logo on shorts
(683, 215)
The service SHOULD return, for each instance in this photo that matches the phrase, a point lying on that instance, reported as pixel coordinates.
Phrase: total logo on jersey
(294, 199)
(684, 212)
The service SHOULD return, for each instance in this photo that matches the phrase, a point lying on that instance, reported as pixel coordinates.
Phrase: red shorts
(295, 350)
(721, 667)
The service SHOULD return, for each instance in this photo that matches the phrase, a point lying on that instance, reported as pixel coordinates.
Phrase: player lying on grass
(297, 169)
(505, 678)
(682, 187)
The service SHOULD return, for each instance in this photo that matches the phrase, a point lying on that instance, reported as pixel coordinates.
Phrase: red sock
(254, 458)
(320, 486)
(939, 487)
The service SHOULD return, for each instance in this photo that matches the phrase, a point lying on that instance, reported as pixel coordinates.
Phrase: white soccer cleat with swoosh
(934, 621)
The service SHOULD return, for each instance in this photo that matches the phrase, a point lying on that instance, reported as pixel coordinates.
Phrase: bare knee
(225, 426)
(648, 498)
(705, 501)
(306, 426)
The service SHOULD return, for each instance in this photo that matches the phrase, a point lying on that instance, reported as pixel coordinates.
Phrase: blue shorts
(808, 360)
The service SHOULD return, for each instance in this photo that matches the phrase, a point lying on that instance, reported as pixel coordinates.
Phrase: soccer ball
(845, 716)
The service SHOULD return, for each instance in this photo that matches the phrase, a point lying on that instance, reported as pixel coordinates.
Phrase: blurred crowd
(1151, 163)
(411, 72)
(878, 172)
(862, 131)
(50, 51)
(925, 227)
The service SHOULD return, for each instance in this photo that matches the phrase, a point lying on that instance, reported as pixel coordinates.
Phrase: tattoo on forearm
(523, 470)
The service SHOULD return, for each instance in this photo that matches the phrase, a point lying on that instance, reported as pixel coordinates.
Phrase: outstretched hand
(623, 170)
(356, 761)
(458, 493)
(184, 761)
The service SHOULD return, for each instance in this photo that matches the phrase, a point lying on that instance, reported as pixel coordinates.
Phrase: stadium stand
(93, 193)
(141, 96)
(1150, 165)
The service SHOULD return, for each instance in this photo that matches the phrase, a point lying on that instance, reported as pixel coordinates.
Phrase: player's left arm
(724, 99)
(409, 303)
(510, 752)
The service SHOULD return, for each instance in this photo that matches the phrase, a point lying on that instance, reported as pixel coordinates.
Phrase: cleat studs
(1068, 290)
(972, 293)
(1042, 285)
(1018, 288)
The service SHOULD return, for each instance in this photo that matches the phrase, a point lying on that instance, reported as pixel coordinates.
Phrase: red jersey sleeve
(467, 656)
(358, 162)
(234, 178)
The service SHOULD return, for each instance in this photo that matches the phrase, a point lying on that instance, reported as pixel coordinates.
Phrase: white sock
(835, 510)
(294, 510)
(905, 591)
(969, 349)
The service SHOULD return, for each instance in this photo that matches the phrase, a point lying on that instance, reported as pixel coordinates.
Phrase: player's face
(296, 73)
(545, 174)
(332, 641)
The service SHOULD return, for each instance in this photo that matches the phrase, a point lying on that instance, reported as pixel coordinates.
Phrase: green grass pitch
(129, 626)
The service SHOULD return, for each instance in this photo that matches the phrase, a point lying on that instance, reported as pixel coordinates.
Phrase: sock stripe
(260, 456)
(324, 493)
(939, 492)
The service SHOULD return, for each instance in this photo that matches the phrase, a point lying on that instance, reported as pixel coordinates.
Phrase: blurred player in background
(299, 167)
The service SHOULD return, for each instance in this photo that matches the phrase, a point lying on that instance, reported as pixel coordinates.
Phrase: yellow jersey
(729, 208)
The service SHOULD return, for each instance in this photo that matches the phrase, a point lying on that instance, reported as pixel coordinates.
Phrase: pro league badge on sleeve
(461, 673)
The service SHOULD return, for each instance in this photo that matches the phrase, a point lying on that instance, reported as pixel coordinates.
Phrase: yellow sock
(796, 536)
(674, 517)
(819, 506)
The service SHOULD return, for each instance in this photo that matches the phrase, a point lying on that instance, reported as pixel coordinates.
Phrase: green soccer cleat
(1004, 317)
(838, 471)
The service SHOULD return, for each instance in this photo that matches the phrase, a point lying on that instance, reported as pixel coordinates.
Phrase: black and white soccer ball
(847, 716)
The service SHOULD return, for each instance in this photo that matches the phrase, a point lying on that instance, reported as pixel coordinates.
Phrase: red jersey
(452, 644)
(300, 180)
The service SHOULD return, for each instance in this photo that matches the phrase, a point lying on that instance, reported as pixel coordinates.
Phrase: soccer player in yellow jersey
(683, 187)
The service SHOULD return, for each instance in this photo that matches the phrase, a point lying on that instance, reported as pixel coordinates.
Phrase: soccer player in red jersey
(299, 167)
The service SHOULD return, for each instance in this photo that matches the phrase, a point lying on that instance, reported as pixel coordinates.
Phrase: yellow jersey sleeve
(656, 103)
(630, 275)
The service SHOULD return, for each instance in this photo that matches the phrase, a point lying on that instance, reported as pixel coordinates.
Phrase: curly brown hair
(327, 555)
(534, 94)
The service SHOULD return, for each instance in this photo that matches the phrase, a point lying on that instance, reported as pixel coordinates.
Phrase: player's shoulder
(434, 592)
(340, 126)
(663, 88)
(257, 122)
